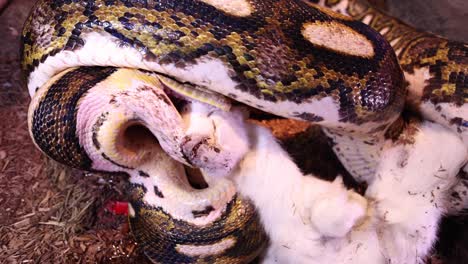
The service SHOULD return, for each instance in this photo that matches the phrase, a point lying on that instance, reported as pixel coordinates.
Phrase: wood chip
(46, 198)
(3, 154)
(28, 215)
(53, 223)
(83, 238)
(83, 247)
(22, 223)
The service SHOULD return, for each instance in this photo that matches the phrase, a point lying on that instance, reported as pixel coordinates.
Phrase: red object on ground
(117, 207)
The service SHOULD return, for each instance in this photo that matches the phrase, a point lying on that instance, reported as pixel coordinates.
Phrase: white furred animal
(314, 221)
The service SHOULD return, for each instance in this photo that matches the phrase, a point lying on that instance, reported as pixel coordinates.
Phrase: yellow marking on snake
(125, 78)
(193, 92)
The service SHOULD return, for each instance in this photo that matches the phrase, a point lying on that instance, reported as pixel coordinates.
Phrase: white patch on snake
(360, 154)
(338, 37)
(239, 8)
(417, 82)
(100, 49)
(179, 198)
(207, 250)
(207, 72)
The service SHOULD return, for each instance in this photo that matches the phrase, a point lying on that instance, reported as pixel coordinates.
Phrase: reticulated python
(290, 58)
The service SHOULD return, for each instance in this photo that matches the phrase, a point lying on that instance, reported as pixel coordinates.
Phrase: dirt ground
(51, 214)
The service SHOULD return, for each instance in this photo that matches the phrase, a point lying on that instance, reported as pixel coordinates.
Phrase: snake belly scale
(285, 57)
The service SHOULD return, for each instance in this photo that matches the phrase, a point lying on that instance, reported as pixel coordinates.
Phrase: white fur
(230, 142)
(308, 220)
(411, 190)
(444, 116)
(294, 208)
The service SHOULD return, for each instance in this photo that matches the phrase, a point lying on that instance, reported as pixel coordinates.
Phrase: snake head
(108, 119)
(123, 120)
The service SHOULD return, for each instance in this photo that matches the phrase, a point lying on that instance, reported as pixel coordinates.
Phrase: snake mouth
(131, 122)
(135, 138)
(183, 191)
(162, 136)
(195, 178)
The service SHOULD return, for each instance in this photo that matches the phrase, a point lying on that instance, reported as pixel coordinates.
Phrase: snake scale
(98, 70)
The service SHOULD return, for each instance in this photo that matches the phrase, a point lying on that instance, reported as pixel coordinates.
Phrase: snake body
(354, 87)
(435, 67)
(290, 58)
(87, 123)
(436, 70)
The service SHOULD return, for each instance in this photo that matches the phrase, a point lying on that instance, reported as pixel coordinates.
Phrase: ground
(51, 214)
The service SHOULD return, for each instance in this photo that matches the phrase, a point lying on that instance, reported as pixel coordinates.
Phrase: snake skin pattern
(234, 236)
(160, 236)
(354, 88)
(290, 58)
(436, 69)
(366, 87)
